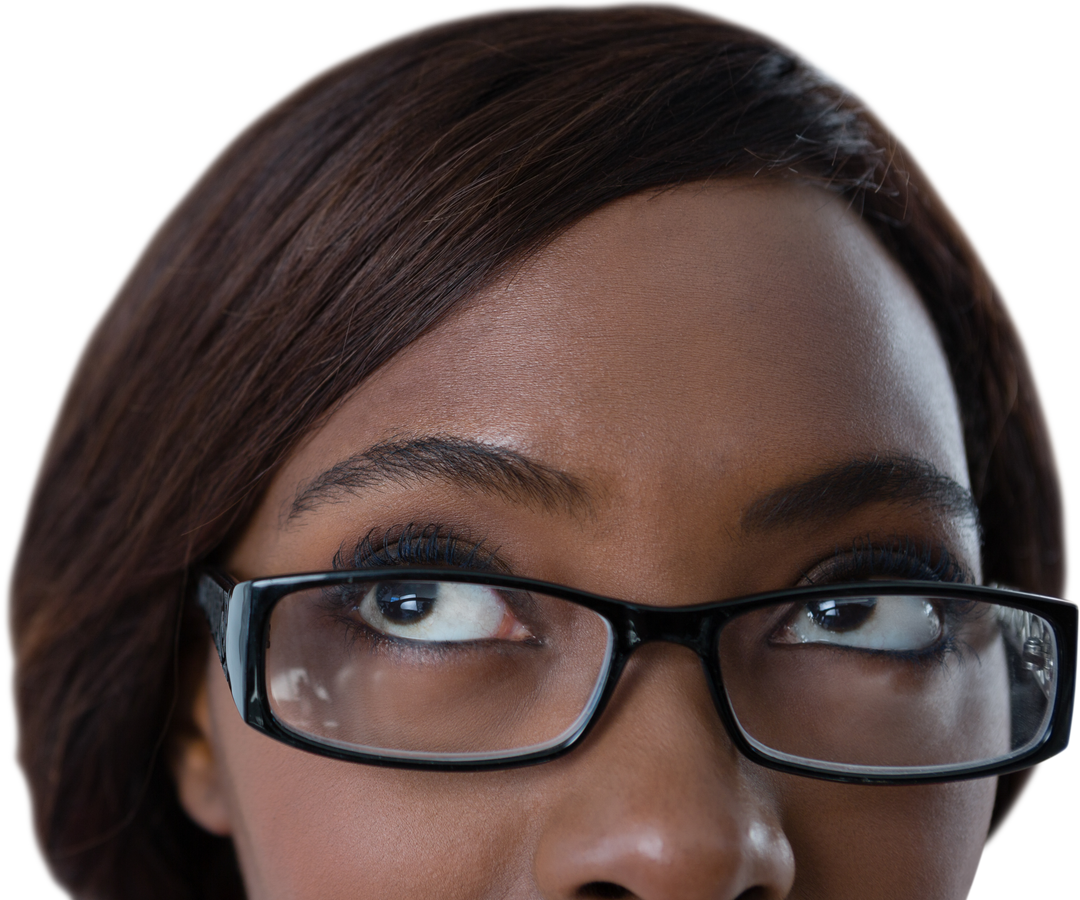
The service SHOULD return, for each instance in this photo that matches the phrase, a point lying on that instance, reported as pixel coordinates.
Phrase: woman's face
(681, 358)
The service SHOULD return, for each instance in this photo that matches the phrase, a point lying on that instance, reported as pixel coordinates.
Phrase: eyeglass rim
(238, 614)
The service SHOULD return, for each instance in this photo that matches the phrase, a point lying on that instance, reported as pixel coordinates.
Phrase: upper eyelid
(429, 544)
(458, 546)
(934, 558)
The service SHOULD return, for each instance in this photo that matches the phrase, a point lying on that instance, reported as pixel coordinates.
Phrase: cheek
(309, 827)
(888, 842)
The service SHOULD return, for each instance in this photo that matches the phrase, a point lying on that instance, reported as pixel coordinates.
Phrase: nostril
(602, 890)
(607, 890)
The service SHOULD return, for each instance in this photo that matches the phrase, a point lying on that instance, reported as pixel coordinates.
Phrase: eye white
(458, 612)
(895, 623)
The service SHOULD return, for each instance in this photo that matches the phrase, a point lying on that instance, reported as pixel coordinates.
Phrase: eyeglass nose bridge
(636, 625)
(697, 629)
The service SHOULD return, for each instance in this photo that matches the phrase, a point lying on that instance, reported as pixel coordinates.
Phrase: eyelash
(417, 545)
(899, 558)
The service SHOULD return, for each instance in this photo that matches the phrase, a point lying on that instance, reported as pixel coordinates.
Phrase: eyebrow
(513, 476)
(903, 480)
(454, 460)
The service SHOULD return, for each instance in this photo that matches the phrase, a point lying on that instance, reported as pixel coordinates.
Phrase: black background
(108, 116)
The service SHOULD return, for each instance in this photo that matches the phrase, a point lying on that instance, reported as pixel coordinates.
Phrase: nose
(656, 804)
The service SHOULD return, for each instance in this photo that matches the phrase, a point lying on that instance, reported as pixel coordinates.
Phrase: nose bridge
(655, 629)
(658, 806)
(651, 628)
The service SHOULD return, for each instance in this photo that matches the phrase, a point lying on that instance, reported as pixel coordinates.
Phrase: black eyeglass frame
(239, 615)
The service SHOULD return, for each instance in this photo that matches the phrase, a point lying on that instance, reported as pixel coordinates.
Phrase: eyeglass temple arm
(213, 592)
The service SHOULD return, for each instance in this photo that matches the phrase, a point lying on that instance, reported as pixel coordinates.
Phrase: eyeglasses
(878, 682)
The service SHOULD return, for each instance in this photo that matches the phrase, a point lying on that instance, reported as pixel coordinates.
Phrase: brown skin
(682, 354)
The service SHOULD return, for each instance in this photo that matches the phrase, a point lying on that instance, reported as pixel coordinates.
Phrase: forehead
(731, 318)
(684, 350)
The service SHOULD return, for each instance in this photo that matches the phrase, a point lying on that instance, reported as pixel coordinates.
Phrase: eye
(439, 611)
(895, 624)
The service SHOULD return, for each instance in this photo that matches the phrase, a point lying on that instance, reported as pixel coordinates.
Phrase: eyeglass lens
(445, 670)
(892, 681)
(434, 669)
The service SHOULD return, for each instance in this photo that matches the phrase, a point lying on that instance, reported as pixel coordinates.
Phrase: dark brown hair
(348, 221)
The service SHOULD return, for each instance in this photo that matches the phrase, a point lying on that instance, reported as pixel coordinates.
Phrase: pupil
(841, 615)
(402, 604)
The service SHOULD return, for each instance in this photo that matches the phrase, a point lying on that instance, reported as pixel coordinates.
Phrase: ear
(1012, 791)
(196, 771)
